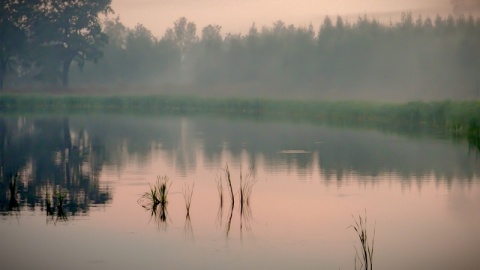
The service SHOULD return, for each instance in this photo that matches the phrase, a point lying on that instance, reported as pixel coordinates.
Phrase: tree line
(413, 58)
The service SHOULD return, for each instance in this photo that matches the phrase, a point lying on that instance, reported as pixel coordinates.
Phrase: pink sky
(238, 15)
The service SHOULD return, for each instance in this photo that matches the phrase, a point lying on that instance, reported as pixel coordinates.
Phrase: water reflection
(188, 228)
(55, 208)
(246, 217)
(155, 201)
(9, 202)
(474, 142)
(335, 151)
(246, 183)
(159, 215)
(41, 153)
(70, 153)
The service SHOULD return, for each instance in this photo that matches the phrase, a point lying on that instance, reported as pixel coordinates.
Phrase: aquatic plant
(219, 182)
(366, 247)
(246, 188)
(152, 196)
(60, 196)
(229, 220)
(159, 214)
(187, 196)
(188, 228)
(229, 182)
(232, 199)
(245, 192)
(155, 200)
(245, 218)
(220, 190)
(157, 194)
(55, 207)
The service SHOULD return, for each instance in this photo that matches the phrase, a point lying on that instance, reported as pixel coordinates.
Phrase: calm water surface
(421, 194)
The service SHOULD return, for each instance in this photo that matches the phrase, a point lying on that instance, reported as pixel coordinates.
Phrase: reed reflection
(155, 201)
(246, 184)
(55, 206)
(219, 185)
(188, 228)
(71, 152)
(187, 192)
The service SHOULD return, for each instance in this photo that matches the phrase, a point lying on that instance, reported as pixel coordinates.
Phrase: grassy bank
(458, 117)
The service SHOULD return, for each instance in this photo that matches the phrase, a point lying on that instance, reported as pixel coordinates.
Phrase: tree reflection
(9, 201)
(55, 207)
(43, 153)
(473, 137)
(53, 152)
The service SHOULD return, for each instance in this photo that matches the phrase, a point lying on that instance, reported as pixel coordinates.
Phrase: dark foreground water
(420, 193)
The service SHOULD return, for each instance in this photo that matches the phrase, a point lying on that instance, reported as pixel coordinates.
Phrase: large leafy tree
(66, 31)
(14, 24)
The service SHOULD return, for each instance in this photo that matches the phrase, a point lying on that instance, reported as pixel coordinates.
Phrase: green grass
(461, 118)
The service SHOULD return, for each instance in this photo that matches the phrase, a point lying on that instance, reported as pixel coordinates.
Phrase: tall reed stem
(360, 228)
(229, 182)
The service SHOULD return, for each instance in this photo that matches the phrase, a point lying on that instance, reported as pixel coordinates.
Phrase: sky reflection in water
(422, 194)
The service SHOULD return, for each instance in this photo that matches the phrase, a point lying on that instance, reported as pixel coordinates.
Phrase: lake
(309, 183)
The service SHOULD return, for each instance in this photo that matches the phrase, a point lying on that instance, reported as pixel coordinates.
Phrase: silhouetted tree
(67, 31)
(15, 17)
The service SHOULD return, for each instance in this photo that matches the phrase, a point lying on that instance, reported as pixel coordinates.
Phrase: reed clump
(365, 257)
(187, 192)
(157, 194)
(246, 188)
(55, 207)
(155, 200)
(60, 196)
(244, 193)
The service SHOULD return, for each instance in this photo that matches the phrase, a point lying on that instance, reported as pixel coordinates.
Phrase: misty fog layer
(414, 59)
